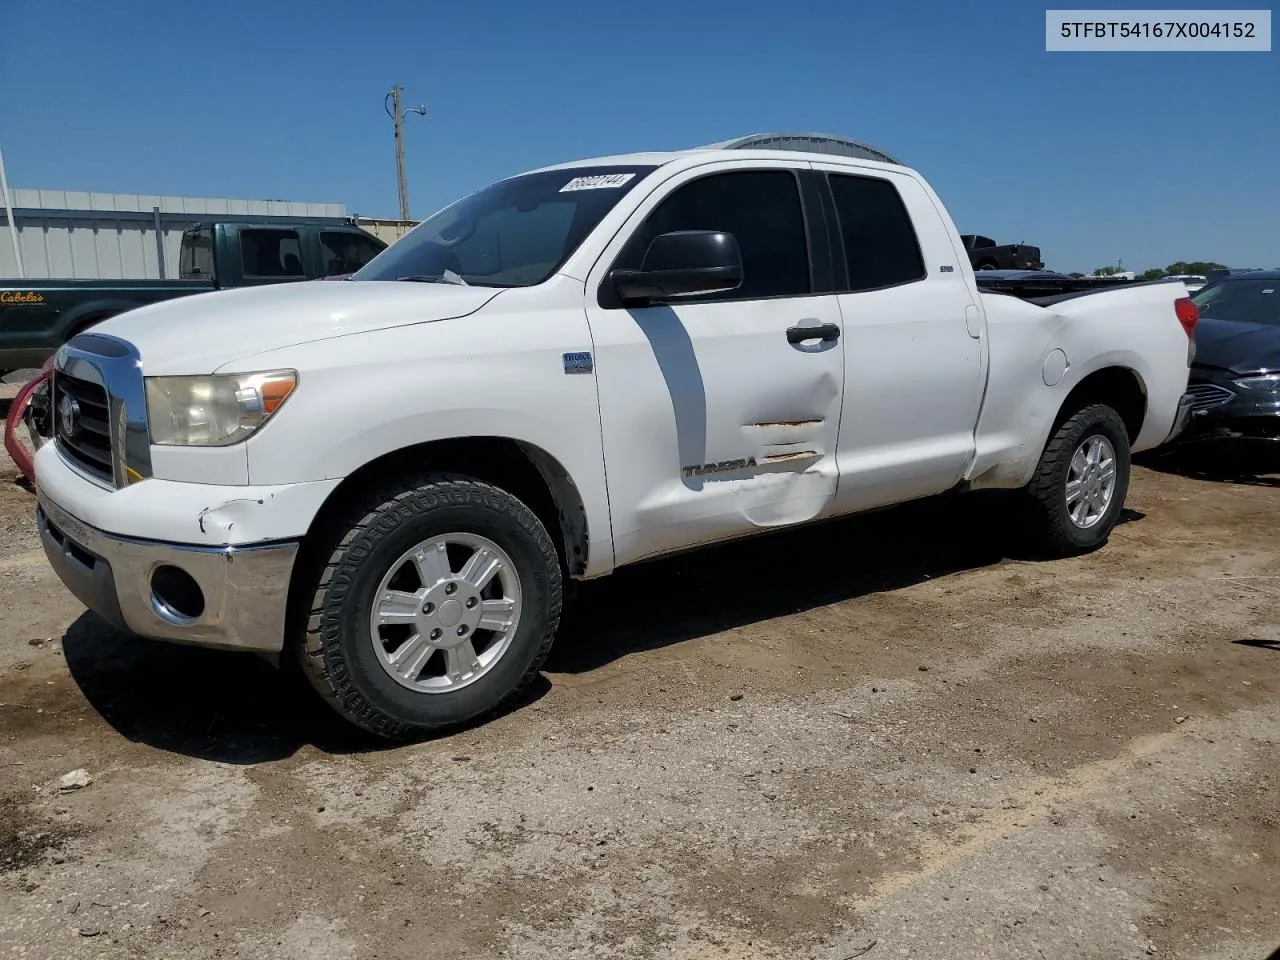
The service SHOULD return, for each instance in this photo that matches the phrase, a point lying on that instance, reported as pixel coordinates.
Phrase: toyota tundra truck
(392, 478)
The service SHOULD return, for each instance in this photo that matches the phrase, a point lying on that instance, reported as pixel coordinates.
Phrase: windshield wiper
(447, 277)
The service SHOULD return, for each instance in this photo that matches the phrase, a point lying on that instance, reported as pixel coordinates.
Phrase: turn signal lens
(275, 391)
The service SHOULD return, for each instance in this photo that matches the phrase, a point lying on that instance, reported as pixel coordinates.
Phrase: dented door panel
(714, 423)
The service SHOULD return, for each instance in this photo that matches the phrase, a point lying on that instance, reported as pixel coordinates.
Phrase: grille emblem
(68, 416)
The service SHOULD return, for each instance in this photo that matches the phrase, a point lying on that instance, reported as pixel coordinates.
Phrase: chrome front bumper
(242, 590)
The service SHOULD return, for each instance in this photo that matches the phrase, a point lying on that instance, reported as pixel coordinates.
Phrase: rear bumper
(239, 596)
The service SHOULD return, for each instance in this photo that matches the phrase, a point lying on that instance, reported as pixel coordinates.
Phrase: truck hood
(199, 333)
(1237, 346)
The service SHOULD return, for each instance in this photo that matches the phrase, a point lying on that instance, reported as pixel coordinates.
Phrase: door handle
(828, 331)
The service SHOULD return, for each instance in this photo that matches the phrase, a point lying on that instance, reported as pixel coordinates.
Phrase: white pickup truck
(391, 477)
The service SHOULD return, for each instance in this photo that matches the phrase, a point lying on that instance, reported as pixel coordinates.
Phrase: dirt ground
(889, 737)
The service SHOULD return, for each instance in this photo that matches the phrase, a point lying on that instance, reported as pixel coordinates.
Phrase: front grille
(82, 425)
(1206, 396)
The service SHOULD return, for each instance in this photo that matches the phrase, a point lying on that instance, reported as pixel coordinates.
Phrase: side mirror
(681, 264)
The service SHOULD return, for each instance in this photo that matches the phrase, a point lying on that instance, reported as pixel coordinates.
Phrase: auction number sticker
(1172, 31)
(601, 181)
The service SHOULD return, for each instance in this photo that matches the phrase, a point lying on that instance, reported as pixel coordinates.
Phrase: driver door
(717, 421)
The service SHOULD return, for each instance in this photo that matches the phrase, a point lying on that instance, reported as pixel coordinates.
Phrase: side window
(271, 253)
(880, 245)
(346, 252)
(195, 261)
(761, 208)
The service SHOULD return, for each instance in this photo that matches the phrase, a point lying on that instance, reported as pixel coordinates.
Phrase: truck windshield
(514, 233)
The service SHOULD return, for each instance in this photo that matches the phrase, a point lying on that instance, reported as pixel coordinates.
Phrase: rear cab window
(195, 260)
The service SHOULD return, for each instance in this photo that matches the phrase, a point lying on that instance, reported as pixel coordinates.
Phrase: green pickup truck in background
(38, 316)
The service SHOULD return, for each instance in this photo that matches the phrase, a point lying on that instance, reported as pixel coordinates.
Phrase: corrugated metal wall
(67, 234)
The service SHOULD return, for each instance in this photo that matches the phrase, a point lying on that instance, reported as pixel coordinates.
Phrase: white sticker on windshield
(601, 181)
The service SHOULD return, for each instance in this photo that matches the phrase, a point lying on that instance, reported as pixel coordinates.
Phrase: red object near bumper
(12, 442)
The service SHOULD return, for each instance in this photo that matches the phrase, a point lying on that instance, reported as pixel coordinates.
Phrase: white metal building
(388, 231)
(68, 234)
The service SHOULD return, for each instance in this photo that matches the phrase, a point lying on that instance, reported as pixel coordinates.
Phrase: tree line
(1197, 268)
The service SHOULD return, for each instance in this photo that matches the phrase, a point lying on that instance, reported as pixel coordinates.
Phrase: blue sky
(1094, 157)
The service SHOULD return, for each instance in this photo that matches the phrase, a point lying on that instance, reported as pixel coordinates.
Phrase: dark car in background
(1235, 376)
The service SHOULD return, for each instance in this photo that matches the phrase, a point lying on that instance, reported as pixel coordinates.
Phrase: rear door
(913, 341)
(717, 419)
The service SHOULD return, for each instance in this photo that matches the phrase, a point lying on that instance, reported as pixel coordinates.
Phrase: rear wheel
(1081, 482)
(437, 606)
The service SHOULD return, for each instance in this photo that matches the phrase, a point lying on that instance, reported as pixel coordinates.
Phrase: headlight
(1269, 382)
(214, 411)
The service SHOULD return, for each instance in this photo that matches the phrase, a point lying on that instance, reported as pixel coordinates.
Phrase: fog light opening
(175, 595)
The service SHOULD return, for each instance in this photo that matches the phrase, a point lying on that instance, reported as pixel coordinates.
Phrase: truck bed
(1043, 287)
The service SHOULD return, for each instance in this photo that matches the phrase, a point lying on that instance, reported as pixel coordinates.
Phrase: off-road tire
(1050, 526)
(330, 636)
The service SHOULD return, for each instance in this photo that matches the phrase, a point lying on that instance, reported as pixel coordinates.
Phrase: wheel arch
(1119, 387)
(522, 469)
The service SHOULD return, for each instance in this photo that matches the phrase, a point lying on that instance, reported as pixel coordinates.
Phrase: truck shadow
(656, 604)
(209, 704)
(239, 708)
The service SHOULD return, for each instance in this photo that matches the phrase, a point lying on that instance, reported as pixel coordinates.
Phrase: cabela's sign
(21, 296)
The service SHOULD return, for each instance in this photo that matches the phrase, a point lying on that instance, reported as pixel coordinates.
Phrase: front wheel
(437, 606)
(1081, 482)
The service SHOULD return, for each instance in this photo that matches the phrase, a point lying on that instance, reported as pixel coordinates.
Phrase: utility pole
(397, 112)
(13, 224)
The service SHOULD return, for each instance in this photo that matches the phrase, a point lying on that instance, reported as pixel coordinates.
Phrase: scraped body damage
(714, 424)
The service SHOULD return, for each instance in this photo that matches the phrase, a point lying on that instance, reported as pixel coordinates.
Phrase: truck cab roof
(795, 146)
